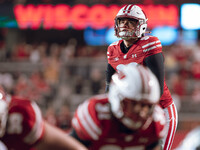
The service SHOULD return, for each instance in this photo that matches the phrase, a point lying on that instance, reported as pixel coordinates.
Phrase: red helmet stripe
(142, 77)
(125, 8)
(129, 9)
(145, 87)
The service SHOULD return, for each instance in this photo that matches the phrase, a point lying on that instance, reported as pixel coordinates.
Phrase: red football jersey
(24, 126)
(146, 46)
(93, 121)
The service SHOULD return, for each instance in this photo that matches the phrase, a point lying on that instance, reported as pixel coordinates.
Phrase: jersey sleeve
(25, 121)
(111, 52)
(151, 46)
(160, 123)
(86, 123)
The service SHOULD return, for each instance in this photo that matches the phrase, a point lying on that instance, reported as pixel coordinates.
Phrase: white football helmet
(132, 12)
(137, 84)
(3, 112)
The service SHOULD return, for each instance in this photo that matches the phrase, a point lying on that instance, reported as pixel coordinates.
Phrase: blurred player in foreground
(138, 48)
(127, 118)
(22, 127)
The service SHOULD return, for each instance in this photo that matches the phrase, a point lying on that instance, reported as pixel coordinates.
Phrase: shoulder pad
(114, 43)
(85, 122)
(150, 43)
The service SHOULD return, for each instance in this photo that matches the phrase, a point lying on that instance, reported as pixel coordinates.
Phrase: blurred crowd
(67, 74)
(182, 66)
(62, 72)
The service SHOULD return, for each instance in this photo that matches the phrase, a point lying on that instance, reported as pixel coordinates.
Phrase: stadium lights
(189, 19)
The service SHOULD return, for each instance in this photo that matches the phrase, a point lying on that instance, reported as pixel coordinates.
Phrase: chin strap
(147, 31)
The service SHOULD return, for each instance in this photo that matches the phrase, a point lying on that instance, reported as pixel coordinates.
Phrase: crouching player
(23, 128)
(129, 117)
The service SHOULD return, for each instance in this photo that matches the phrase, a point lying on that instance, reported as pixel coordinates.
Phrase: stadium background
(60, 62)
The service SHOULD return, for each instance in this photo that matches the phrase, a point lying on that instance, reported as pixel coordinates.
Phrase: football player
(126, 118)
(135, 47)
(22, 127)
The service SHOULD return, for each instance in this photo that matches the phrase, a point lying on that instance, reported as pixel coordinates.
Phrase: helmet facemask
(126, 35)
(135, 113)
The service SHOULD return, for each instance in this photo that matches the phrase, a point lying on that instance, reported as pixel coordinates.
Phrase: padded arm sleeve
(109, 72)
(156, 64)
